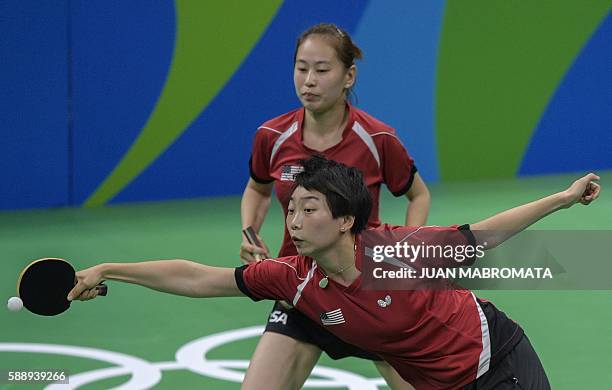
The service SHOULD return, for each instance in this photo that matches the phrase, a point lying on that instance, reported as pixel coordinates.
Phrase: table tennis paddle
(44, 284)
(251, 237)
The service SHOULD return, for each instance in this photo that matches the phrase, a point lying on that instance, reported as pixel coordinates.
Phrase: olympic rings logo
(191, 356)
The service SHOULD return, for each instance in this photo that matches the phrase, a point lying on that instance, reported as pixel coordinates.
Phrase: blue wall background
(82, 80)
(34, 131)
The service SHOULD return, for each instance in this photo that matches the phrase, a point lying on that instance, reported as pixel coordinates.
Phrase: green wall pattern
(212, 39)
(494, 86)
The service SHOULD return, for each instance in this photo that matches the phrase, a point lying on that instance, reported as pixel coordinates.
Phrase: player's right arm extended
(179, 277)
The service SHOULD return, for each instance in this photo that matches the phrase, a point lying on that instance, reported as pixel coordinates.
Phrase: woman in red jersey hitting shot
(435, 339)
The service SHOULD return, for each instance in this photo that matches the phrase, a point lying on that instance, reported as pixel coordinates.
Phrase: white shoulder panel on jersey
(282, 139)
(367, 139)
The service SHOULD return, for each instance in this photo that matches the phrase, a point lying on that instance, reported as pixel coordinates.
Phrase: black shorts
(519, 369)
(296, 325)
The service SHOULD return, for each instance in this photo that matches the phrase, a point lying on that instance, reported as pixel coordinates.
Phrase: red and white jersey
(367, 144)
(435, 339)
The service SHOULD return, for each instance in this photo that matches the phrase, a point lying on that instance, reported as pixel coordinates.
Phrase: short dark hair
(343, 187)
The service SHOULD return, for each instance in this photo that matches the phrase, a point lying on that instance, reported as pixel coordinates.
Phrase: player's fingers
(249, 258)
(83, 297)
(589, 177)
(265, 251)
(253, 253)
(258, 250)
(584, 181)
(245, 256)
(595, 189)
(590, 194)
(76, 291)
(90, 294)
(252, 248)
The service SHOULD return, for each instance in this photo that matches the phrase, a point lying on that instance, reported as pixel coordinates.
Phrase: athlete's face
(311, 225)
(320, 78)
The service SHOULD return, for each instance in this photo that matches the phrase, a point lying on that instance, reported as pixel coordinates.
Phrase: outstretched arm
(179, 277)
(502, 226)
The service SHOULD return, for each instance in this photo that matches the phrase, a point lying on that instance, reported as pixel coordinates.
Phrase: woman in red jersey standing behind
(327, 124)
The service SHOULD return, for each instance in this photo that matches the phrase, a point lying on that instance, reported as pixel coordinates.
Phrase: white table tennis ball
(15, 304)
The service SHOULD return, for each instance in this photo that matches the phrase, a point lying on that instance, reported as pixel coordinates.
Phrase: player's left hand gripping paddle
(44, 284)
